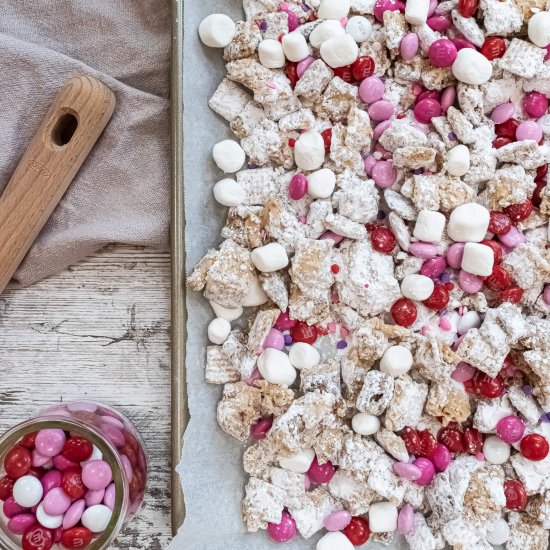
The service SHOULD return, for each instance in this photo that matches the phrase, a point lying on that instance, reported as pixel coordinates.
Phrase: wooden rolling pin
(70, 129)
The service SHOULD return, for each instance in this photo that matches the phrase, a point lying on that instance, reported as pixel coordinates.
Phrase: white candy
(416, 11)
(382, 517)
(365, 424)
(470, 319)
(334, 541)
(458, 160)
(495, 450)
(468, 222)
(218, 330)
(309, 151)
(96, 518)
(339, 51)
(472, 67)
(275, 367)
(49, 522)
(325, 31)
(397, 360)
(295, 46)
(96, 455)
(538, 29)
(298, 463)
(544, 123)
(229, 193)
(498, 532)
(333, 9)
(478, 259)
(303, 356)
(271, 54)
(270, 257)
(229, 156)
(417, 287)
(27, 491)
(429, 226)
(359, 28)
(320, 184)
(217, 30)
(231, 314)
(256, 295)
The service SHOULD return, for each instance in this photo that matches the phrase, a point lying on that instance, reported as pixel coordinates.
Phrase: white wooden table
(101, 331)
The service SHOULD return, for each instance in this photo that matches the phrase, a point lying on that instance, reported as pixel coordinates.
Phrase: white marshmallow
(359, 28)
(365, 424)
(228, 155)
(458, 160)
(28, 491)
(472, 67)
(382, 517)
(478, 259)
(468, 222)
(298, 463)
(416, 11)
(231, 314)
(396, 361)
(325, 31)
(470, 319)
(295, 46)
(270, 257)
(495, 450)
(333, 9)
(538, 29)
(303, 356)
(275, 367)
(256, 295)
(96, 518)
(417, 287)
(229, 193)
(50, 522)
(309, 151)
(271, 54)
(334, 540)
(218, 330)
(429, 226)
(498, 532)
(339, 51)
(217, 30)
(321, 184)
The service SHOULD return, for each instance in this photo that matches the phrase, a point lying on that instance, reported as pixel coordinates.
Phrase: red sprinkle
(335, 268)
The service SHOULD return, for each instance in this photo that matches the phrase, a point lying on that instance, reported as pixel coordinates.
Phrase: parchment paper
(211, 470)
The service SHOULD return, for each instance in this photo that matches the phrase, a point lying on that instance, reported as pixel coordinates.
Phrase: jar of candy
(70, 478)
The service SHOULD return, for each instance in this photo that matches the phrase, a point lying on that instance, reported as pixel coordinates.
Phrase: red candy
(493, 47)
(467, 8)
(499, 279)
(404, 312)
(411, 439)
(513, 295)
(507, 129)
(28, 441)
(6, 487)
(473, 441)
(291, 71)
(501, 142)
(77, 449)
(438, 299)
(519, 212)
(536, 199)
(363, 67)
(516, 497)
(17, 462)
(534, 447)
(357, 531)
(452, 439)
(495, 247)
(327, 138)
(499, 223)
(383, 240)
(76, 537)
(426, 443)
(72, 484)
(488, 386)
(37, 538)
(345, 73)
(302, 332)
(542, 170)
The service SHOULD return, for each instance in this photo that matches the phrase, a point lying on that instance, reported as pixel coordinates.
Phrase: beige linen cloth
(121, 194)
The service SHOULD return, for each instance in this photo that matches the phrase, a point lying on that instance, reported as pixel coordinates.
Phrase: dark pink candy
(283, 531)
(20, 523)
(63, 464)
(260, 429)
(297, 187)
(427, 109)
(11, 508)
(321, 473)
(460, 43)
(433, 267)
(381, 6)
(441, 457)
(442, 53)
(51, 480)
(284, 322)
(439, 23)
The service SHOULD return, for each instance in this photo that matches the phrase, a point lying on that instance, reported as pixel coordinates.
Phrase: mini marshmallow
(470, 319)
(218, 330)
(256, 295)
(538, 29)
(298, 463)
(271, 54)
(416, 11)
(429, 226)
(359, 28)
(217, 30)
(229, 156)
(365, 424)
(498, 532)
(382, 517)
(458, 160)
(270, 257)
(339, 51)
(275, 367)
(229, 193)
(231, 314)
(468, 223)
(472, 67)
(320, 184)
(478, 259)
(333, 9)
(295, 46)
(417, 287)
(495, 450)
(303, 356)
(334, 540)
(325, 31)
(309, 151)
(397, 360)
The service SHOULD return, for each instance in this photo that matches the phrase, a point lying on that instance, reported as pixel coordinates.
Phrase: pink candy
(461, 43)
(283, 531)
(546, 295)
(529, 130)
(297, 187)
(369, 163)
(11, 508)
(405, 520)
(454, 255)
(50, 442)
(384, 174)
(275, 339)
(73, 514)
(56, 502)
(63, 464)
(109, 498)
(428, 471)
(260, 429)
(330, 235)
(512, 238)
(439, 23)
(409, 46)
(371, 89)
(337, 520)
(535, 104)
(441, 457)
(284, 322)
(463, 372)
(469, 283)
(423, 250)
(304, 65)
(503, 112)
(426, 109)
(380, 129)
(448, 98)
(38, 460)
(50, 480)
(381, 110)
(321, 473)
(20, 523)
(442, 53)
(93, 498)
(96, 474)
(407, 470)
(510, 429)
(433, 267)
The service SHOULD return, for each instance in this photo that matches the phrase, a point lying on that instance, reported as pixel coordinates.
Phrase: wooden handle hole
(64, 129)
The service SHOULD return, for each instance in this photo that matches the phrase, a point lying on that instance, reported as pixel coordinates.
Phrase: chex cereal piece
(449, 401)
(342, 156)
(392, 444)
(302, 119)
(501, 18)
(407, 403)
(318, 212)
(337, 100)
(376, 393)
(435, 360)
(522, 58)
(400, 134)
(245, 42)
(540, 82)
(395, 28)
(524, 404)
(357, 199)
(260, 457)
(355, 495)
(532, 474)
(282, 224)
(311, 267)
(275, 25)
(538, 507)
(237, 351)
(275, 288)
(359, 455)
(263, 503)
(526, 532)
(527, 265)
(423, 191)
(485, 494)
(460, 533)
(538, 335)
(219, 368)
(526, 153)
(314, 81)
(488, 413)
(329, 444)
(229, 99)
(453, 192)
(461, 126)
(511, 185)
(400, 230)
(243, 124)
(259, 329)
(471, 101)
(239, 409)
(385, 482)
(468, 27)
(421, 536)
(293, 484)
(358, 131)
(414, 157)
(325, 378)
(399, 204)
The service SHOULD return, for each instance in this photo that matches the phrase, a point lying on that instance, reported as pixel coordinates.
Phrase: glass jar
(120, 445)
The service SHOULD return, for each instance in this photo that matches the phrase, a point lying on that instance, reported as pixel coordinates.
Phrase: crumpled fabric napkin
(122, 192)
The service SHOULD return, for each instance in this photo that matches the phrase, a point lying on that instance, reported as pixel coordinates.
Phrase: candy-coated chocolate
(37, 537)
(283, 531)
(76, 537)
(97, 475)
(72, 484)
(78, 449)
(337, 520)
(17, 462)
(110, 495)
(50, 442)
(20, 523)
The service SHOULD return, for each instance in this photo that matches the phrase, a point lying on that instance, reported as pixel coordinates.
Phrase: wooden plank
(101, 331)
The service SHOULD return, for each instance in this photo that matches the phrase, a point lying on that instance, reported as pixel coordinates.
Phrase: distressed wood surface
(101, 331)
